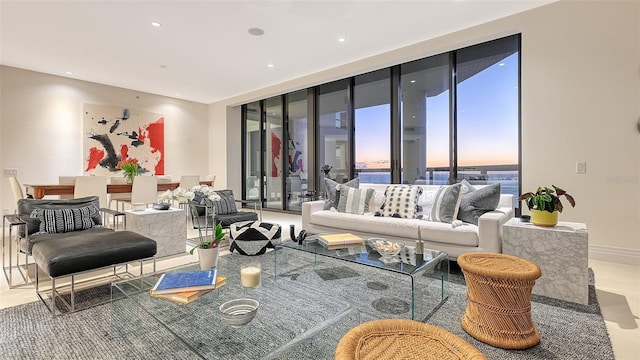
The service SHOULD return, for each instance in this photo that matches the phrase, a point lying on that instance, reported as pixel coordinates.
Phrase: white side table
(561, 252)
(167, 227)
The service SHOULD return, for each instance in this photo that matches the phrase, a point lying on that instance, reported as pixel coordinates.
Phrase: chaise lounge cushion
(26, 243)
(69, 255)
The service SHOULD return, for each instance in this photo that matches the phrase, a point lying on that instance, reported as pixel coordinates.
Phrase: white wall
(41, 127)
(580, 102)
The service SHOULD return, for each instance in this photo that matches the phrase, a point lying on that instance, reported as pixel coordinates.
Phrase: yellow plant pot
(544, 218)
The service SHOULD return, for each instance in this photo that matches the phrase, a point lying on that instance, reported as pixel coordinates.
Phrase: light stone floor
(617, 286)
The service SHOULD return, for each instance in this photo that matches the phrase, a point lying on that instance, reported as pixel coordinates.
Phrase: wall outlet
(581, 167)
(10, 172)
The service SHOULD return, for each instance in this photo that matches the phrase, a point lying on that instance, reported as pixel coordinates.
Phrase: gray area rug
(568, 331)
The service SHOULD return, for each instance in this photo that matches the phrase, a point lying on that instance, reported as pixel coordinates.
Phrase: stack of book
(339, 241)
(186, 287)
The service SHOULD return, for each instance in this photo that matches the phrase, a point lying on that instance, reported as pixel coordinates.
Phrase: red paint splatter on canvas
(155, 133)
(124, 151)
(95, 155)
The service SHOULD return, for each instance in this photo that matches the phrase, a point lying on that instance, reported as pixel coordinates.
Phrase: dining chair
(97, 186)
(211, 178)
(189, 181)
(144, 190)
(16, 188)
(120, 199)
(66, 180)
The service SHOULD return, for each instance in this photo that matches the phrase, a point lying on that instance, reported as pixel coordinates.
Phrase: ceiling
(203, 50)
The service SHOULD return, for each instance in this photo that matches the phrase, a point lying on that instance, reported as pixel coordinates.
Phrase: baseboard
(614, 254)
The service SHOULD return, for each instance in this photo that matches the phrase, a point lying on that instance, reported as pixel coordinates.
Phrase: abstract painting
(113, 133)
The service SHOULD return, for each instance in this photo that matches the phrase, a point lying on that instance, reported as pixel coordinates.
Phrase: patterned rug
(568, 331)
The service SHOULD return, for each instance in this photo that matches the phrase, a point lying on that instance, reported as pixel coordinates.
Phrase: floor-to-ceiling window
(273, 164)
(372, 136)
(252, 151)
(333, 131)
(425, 120)
(487, 93)
(297, 149)
(436, 120)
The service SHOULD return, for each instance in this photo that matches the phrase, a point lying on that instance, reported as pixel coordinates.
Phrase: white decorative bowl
(239, 312)
(388, 250)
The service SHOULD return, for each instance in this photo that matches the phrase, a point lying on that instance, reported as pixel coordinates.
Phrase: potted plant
(545, 204)
(130, 168)
(208, 245)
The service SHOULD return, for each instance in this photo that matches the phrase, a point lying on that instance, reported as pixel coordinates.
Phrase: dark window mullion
(453, 120)
(396, 125)
(351, 126)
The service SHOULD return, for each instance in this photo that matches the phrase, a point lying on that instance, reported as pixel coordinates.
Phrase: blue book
(185, 281)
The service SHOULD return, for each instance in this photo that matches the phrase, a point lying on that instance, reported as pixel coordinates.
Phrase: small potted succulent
(545, 204)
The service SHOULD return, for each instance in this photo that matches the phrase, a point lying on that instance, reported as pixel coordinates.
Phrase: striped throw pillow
(65, 220)
(354, 201)
(447, 202)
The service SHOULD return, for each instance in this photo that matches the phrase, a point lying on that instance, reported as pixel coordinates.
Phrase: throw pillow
(478, 202)
(354, 201)
(468, 185)
(446, 203)
(332, 191)
(226, 204)
(425, 203)
(65, 220)
(401, 200)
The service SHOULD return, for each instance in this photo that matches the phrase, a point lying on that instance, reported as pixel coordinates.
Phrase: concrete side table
(562, 252)
(167, 227)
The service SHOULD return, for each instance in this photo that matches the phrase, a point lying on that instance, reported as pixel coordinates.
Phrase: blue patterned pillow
(65, 220)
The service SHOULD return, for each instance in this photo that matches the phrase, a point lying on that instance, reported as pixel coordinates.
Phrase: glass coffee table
(425, 276)
(290, 314)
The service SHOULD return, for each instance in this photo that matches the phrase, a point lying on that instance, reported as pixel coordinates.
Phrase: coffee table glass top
(406, 262)
(275, 330)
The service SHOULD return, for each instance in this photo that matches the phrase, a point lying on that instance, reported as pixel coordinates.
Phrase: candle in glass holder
(250, 275)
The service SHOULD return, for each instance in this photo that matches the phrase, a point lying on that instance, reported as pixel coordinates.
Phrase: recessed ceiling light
(156, 24)
(256, 31)
(412, 81)
(270, 65)
(342, 39)
(177, 94)
(68, 73)
(502, 64)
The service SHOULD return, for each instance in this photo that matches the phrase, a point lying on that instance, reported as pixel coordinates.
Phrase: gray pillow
(331, 185)
(478, 202)
(354, 201)
(447, 201)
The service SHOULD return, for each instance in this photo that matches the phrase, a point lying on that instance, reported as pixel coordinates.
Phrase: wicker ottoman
(253, 237)
(403, 339)
(499, 299)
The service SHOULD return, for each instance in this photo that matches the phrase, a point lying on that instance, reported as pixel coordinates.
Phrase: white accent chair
(97, 186)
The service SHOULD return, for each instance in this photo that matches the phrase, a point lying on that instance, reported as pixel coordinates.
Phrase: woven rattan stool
(403, 339)
(499, 299)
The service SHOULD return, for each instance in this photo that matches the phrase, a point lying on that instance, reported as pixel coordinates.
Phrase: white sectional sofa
(455, 239)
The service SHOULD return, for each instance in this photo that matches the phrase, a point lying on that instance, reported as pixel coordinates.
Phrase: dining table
(40, 191)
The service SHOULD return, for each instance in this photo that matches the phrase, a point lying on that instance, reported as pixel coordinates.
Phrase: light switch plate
(10, 172)
(581, 167)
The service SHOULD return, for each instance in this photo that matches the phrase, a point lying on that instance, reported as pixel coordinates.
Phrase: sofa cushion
(226, 204)
(354, 201)
(401, 200)
(464, 235)
(446, 203)
(332, 189)
(26, 243)
(478, 202)
(65, 220)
